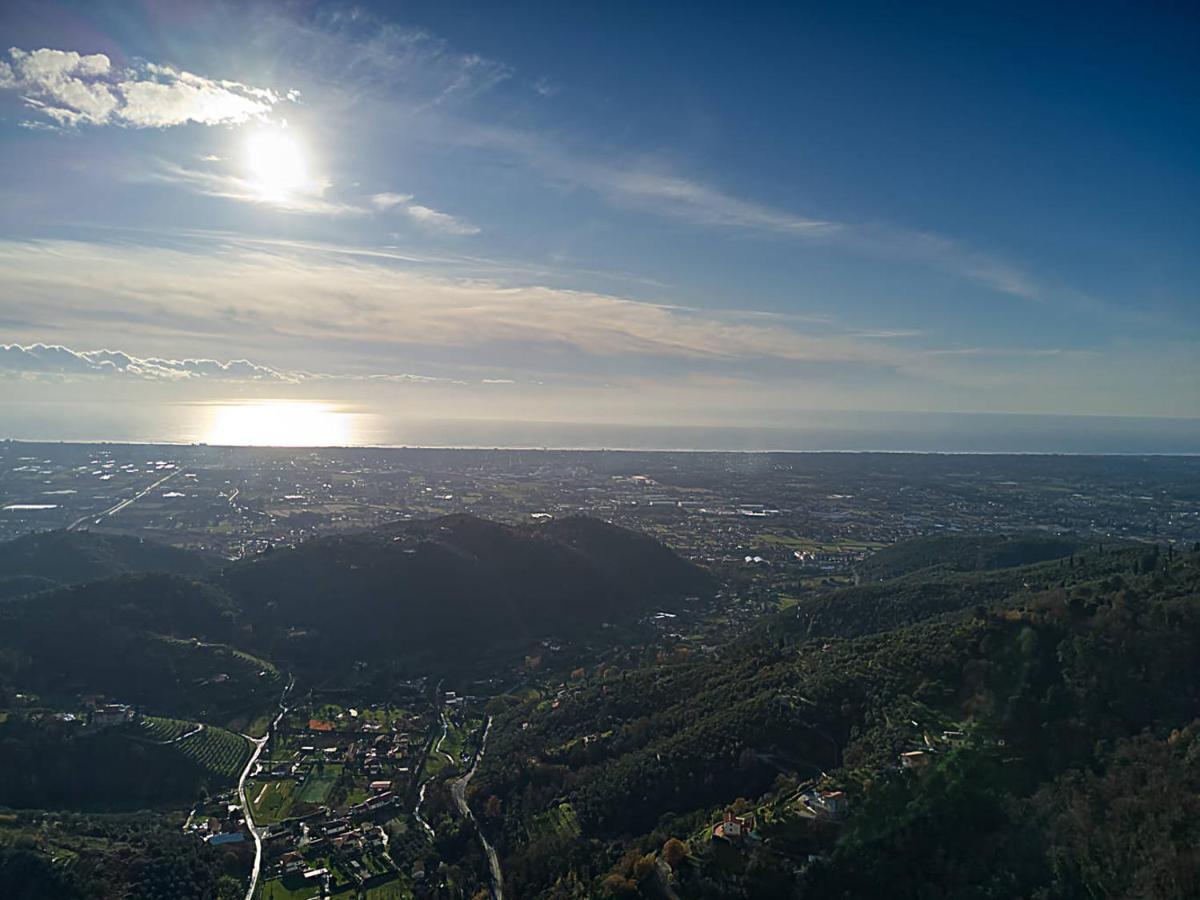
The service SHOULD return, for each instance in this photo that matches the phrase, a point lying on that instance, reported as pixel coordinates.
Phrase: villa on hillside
(915, 759)
(827, 804)
(733, 828)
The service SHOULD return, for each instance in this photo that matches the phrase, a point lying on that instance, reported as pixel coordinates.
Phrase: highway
(117, 507)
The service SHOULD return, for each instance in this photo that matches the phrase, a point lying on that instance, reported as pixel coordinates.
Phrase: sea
(317, 424)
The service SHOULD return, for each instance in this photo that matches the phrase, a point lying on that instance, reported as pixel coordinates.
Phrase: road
(256, 831)
(183, 737)
(117, 507)
(458, 788)
(437, 748)
(417, 813)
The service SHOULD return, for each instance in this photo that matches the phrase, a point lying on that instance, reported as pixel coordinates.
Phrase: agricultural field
(161, 730)
(395, 889)
(559, 821)
(384, 715)
(271, 801)
(317, 784)
(295, 888)
(220, 752)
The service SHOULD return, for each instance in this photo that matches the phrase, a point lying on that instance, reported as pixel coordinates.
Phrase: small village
(334, 785)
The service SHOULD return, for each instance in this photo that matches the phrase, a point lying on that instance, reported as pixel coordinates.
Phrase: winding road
(247, 813)
(417, 812)
(437, 748)
(458, 788)
(183, 737)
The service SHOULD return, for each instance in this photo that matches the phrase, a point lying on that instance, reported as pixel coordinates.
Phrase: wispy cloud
(703, 205)
(70, 89)
(656, 187)
(346, 301)
(364, 56)
(428, 218)
(433, 220)
(699, 203)
(307, 198)
(56, 362)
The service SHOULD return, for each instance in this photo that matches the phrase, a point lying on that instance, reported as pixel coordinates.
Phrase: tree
(616, 885)
(674, 852)
(644, 867)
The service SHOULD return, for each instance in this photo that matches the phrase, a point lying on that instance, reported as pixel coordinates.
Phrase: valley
(457, 707)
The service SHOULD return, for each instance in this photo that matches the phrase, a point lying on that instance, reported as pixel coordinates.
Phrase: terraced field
(218, 751)
(160, 729)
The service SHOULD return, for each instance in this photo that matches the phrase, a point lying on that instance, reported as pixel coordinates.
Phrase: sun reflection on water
(281, 423)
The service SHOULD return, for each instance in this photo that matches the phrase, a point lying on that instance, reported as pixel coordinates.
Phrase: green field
(560, 820)
(389, 890)
(276, 889)
(270, 800)
(317, 785)
(160, 729)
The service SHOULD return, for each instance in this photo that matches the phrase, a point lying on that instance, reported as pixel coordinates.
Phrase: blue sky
(705, 215)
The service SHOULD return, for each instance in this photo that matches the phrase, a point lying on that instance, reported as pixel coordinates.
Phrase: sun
(280, 423)
(275, 163)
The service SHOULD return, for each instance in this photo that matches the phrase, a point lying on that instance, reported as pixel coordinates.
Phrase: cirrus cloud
(426, 217)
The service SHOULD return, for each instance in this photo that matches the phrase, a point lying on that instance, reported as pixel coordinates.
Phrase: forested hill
(47, 558)
(972, 576)
(435, 592)
(422, 596)
(161, 642)
(1073, 684)
(964, 553)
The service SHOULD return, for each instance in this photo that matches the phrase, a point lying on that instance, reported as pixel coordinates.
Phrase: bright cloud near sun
(71, 89)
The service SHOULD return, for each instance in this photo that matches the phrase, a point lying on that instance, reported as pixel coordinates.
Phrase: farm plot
(270, 800)
(317, 784)
(216, 750)
(160, 730)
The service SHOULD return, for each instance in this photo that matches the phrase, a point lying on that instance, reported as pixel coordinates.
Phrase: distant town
(810, 514)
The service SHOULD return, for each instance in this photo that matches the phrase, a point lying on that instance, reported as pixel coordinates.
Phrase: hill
(1067, 689)
(876, 606)
(73, 557)
(438, 592)
(51, 764)
(964, 553)
(157, 641)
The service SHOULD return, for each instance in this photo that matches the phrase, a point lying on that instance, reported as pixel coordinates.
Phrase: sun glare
(275, 162)
(280, 423)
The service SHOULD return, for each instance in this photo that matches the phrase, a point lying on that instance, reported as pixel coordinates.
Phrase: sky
(685, 215)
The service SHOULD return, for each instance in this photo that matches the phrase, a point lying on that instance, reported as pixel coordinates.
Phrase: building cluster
(106, 715)
(341, 844)
(325, 850)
